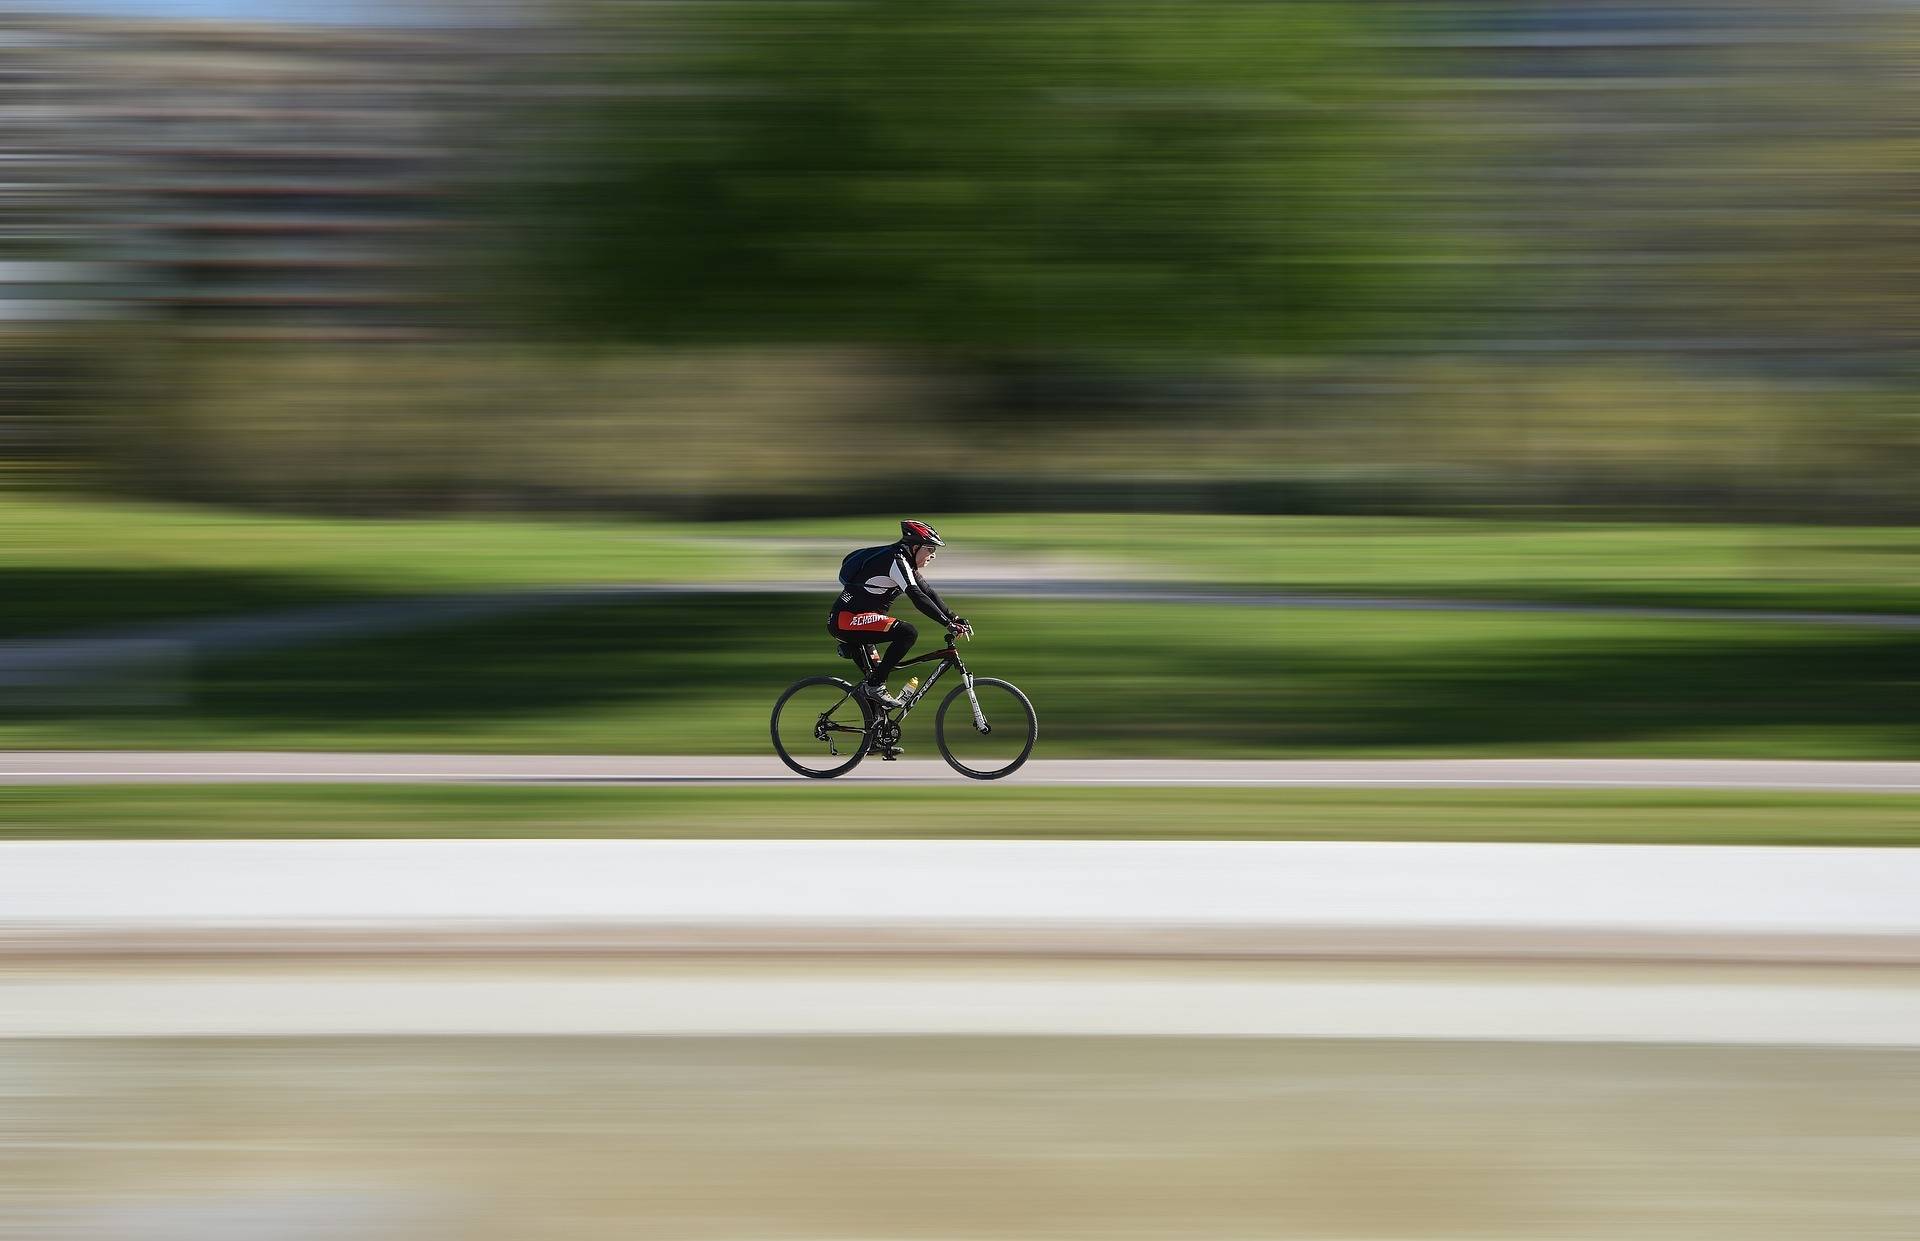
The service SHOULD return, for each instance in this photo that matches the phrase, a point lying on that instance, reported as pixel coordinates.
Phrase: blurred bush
(717, 432)
(459, 426)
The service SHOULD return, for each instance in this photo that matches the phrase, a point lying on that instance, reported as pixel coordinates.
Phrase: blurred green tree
(976, 177)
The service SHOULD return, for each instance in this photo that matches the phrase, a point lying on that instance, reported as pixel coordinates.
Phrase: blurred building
(258, 182)
(49, 208)
(1691, 178)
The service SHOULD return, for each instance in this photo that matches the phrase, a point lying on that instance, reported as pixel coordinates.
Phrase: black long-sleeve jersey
(874, 579)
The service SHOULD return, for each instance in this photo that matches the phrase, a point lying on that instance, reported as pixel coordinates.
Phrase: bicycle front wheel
(819, 728)
(992, 742)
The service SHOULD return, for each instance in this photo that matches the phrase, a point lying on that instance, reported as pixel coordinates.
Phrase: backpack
(853, 561)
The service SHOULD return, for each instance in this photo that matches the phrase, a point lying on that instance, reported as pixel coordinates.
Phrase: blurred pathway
(1192, 592)
(158, 653)
(20, 767)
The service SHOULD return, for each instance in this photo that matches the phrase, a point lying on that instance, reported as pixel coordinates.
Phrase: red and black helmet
(919, 534)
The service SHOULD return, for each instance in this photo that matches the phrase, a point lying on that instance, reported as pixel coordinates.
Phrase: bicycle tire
(940, 730)
(821, 773)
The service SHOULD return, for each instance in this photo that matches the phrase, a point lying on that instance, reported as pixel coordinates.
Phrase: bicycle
(816, 717)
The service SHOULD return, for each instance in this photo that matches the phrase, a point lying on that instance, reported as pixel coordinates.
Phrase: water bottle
(912, 685)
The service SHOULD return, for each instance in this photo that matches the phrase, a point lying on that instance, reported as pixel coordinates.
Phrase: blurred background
(1608, 258)
(1591, 304)
(1317, 378)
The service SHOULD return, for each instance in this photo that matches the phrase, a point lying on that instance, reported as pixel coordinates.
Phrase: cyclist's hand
(961, 627)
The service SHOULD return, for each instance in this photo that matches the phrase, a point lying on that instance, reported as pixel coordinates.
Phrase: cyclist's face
(923, 556)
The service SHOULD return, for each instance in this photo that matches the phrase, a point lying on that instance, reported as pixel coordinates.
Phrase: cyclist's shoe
(878, 696)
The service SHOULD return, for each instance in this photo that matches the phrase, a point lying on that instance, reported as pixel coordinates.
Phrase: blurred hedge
(720, 433)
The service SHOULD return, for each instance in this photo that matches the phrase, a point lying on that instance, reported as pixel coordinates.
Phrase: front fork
(973, 700)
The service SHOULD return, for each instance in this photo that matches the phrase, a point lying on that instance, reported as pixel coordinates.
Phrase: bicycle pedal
(889, 753)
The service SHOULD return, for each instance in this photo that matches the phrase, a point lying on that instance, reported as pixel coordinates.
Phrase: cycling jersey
(874, 580)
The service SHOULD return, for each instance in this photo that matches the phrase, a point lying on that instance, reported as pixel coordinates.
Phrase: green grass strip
(71, 562)
(129, 812)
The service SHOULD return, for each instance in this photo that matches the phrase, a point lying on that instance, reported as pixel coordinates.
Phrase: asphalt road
(25, 767)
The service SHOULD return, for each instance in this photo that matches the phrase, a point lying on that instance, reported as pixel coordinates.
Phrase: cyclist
(872, 579)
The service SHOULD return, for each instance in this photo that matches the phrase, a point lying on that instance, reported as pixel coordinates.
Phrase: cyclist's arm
(923, 595)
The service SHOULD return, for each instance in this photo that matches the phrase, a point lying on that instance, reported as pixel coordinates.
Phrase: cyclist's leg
(871, 629)
(867, 655)
(868, 648)
(861, 644)
(903, 634)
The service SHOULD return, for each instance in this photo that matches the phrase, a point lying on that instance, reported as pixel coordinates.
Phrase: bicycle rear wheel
(995, 743)
(819, 729)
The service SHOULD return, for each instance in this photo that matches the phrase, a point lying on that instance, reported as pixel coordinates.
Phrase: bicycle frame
(947, 657)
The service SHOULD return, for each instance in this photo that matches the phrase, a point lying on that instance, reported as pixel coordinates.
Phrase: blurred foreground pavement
(825, 1040)
(1126, 897)
(983, 937)
(769, 1139)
